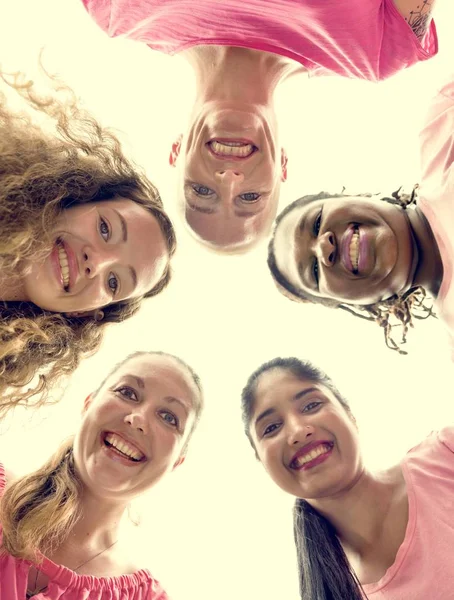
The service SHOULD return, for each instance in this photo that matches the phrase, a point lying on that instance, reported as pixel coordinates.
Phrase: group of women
(85, 239)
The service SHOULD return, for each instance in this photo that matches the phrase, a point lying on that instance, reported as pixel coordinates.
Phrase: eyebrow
(207, 211)
(298, 396)
(302, 267)
(124, 227)
(124, 239)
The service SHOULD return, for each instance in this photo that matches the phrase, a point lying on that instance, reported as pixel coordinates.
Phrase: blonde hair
(50, 495)
(38, 511)
(40, 176)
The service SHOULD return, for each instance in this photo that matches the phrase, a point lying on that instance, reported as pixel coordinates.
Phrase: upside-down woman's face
(353, 250)
(303, 436)
(134, 430)
(103, 252)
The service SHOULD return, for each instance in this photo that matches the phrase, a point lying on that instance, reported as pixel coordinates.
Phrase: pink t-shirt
(437, 192)
(366, 39)
(68, 585)
(424, 567)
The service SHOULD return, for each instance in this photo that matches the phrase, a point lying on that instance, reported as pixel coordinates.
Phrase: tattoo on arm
(419, 18)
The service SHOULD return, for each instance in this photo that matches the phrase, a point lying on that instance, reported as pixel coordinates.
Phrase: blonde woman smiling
(83, 239)
(60, 523)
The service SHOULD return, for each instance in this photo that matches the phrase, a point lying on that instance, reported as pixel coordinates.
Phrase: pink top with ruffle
(67, 585)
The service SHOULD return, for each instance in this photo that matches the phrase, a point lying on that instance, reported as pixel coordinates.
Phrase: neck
(429, 270)
(358, 513)
(225, 73)
(98, 527)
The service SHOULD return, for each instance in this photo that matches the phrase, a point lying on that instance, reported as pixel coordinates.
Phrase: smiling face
(304, 437)
(134, 430)
(353, 249)
(232, 171)
(103, 252)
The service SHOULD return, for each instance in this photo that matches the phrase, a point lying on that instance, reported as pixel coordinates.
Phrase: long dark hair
(324, 570)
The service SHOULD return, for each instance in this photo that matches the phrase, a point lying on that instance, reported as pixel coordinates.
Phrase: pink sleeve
(100, 11)
(446, 437)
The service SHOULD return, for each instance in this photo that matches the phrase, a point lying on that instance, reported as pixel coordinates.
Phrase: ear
(175, 152)
(179, 462)
(88, 400)
(284, 161)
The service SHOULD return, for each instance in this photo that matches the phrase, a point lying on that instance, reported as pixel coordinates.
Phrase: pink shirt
(68, 585)
(437, 192)
(424, 567)
(366, 39)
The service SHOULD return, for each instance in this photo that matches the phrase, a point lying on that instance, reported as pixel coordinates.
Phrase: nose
(298, 432)
(95, 261)
(325, 248)
(230, 177)
(136, 421)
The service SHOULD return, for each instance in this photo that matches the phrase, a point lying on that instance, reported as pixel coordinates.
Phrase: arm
(417, 13)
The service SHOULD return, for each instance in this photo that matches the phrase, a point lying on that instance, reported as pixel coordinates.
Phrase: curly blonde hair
(41, 175)
(398, 310)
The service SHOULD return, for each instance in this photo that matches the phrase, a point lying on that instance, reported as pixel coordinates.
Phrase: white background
(218, 528)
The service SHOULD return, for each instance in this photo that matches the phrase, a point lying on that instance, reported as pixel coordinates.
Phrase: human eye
(312, 405)
(250, 197)
(202, 190)
(315, 270)
(169, 418)
(270, 429)
(112, 283)
(317, 223)
(127, 392)
(104, 229)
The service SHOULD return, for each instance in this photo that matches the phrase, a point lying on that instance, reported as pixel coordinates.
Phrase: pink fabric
(366, 39)
(437, 192)
(68, 585)
(423, 568)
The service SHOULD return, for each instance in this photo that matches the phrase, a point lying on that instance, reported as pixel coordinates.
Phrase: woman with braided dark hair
(379, 259)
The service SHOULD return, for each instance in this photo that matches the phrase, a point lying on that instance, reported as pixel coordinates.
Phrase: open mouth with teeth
(354, 249)
(121, 447)
(231, 148)
(64, 265)
(304, 459)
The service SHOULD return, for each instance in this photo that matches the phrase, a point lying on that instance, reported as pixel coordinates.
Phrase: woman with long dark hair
(385, 535)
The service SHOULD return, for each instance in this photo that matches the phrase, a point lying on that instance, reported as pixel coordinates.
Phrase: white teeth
(232, 149)
(119, 444)
(63, 259)
(302, 460)
(354, 250)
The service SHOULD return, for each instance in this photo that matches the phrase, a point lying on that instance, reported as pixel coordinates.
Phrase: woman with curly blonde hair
(83, 239)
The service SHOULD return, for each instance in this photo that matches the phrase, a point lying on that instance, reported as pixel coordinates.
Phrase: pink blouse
(65, 584)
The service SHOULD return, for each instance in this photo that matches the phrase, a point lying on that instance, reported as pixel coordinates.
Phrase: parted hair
(38, 511)
(323, 567)
(42, 174)
(396, 310)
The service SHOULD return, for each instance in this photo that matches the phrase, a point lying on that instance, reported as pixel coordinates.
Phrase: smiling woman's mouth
(64, 265)
(231, 148)
(354, 249)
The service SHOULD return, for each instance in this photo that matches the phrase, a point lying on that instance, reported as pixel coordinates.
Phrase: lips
(231, 149)
(121, 448)
(64, 264)
(311, 454)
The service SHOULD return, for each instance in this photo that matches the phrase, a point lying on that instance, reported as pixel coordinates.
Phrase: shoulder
(417, 13)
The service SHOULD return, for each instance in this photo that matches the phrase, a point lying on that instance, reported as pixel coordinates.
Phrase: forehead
(158, 372)
(278, 385)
